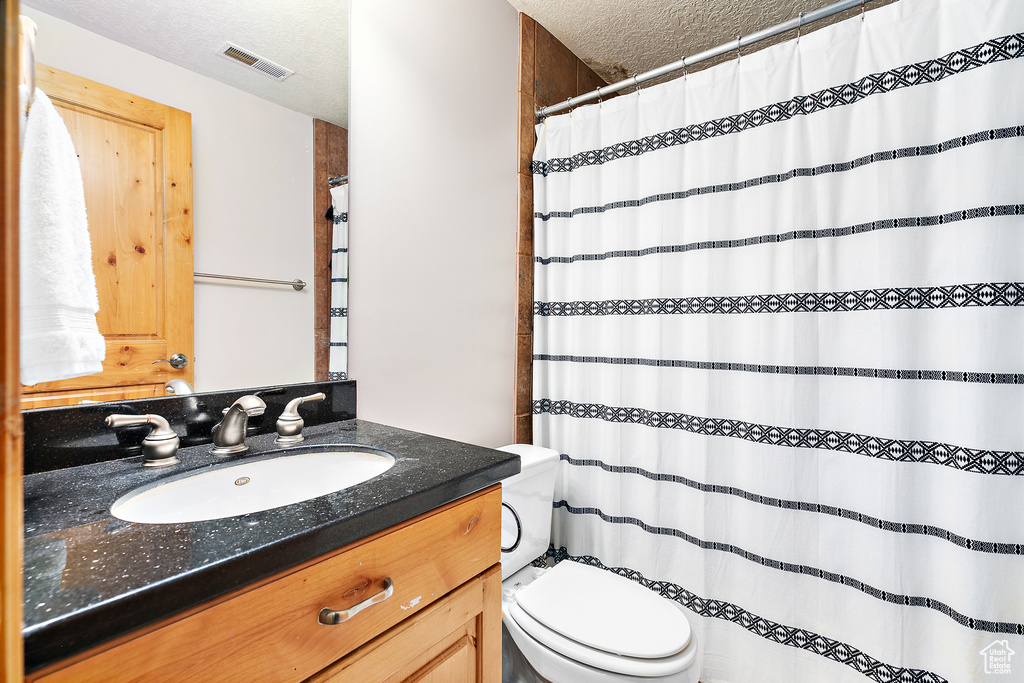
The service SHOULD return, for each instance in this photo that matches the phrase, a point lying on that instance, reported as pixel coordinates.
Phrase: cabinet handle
(329, 617)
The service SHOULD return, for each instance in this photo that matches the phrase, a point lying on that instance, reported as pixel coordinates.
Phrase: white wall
(253, 204)
(432, 160)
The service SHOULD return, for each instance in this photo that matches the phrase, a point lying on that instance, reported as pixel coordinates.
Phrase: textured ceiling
(619, 38)
(310, 37)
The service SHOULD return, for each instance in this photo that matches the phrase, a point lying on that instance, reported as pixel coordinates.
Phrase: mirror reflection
(206, 146)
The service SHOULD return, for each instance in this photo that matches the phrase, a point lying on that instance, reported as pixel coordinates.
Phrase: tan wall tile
(555, 79)
(527, 133)
(527, 53)
(524, 232)
(549, 73)
(524, 428)
(524, 303)
(586, 79)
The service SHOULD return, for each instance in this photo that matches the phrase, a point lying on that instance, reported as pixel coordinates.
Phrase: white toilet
(573, 623)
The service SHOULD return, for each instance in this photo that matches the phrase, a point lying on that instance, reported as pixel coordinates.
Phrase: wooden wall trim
(321, 258)
(523, 427)
(548, 73)
(11, 657)
(330, 159)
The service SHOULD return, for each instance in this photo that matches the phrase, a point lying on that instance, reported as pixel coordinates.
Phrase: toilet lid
(605, 611)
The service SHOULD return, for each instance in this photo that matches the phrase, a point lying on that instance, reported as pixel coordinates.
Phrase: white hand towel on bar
(59, 335)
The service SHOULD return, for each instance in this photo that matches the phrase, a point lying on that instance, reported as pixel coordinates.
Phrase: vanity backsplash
(68, 436)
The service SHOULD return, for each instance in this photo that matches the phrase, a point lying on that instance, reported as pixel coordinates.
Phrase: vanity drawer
(272, 632)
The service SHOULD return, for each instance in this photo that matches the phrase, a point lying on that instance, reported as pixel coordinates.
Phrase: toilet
(573, 623)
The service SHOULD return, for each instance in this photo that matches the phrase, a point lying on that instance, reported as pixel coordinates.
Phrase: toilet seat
(604, 661)
(603, 620)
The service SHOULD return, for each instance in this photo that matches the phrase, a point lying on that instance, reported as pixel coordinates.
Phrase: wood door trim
(179, 325)
(67, 87)
(11, 659)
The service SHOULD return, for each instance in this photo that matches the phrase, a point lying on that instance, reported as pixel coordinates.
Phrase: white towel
(22, 114)
(59, 335)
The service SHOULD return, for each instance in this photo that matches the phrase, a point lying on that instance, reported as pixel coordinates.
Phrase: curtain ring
(738, 46)
(863, 4)
(636, 83)
(799, 25)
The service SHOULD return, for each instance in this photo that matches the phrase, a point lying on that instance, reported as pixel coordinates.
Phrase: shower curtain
(337, 361)
(779, 343)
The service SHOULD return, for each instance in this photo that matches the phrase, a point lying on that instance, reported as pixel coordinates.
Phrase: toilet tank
(526, 500)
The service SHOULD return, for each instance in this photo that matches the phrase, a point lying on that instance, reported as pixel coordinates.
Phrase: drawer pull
(330, 617)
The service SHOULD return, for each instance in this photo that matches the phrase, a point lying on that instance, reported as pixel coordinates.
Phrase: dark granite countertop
(90, 577)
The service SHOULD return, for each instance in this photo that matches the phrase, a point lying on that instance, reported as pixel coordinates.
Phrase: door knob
(177, 361)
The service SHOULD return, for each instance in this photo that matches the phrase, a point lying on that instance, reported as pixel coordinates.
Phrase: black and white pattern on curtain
(337, 364)
(779, 342)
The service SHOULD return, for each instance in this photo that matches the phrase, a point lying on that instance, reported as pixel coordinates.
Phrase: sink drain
(241, 481)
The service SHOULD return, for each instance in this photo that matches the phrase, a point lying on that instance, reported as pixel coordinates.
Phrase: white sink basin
(240, 488)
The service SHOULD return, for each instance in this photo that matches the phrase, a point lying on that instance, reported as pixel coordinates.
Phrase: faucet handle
(289, 425)
(160, 447)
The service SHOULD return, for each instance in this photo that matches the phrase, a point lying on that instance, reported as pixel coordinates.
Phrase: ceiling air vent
(253, 61)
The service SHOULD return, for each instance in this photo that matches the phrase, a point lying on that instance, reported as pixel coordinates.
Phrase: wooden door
(136, 158)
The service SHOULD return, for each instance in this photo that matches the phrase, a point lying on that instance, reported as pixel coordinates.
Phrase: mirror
(261, 150)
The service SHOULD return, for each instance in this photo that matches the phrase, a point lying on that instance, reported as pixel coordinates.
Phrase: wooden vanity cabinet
(441, 623)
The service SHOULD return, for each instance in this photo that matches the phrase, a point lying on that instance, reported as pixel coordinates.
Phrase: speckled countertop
(90, 577)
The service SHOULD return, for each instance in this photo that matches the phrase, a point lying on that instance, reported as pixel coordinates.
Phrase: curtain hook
(636, 83)
(739, 44)
(863, 4)
(799, 25)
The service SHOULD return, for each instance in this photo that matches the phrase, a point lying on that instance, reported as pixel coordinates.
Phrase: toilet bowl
(573, 623)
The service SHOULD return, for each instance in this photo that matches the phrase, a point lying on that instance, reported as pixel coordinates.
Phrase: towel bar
(295, 284)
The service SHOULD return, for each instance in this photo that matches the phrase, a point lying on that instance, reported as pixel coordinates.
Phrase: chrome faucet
(229, 433)
(160, 447)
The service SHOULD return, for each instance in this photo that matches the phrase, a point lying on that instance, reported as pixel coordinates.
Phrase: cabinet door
(456, 640)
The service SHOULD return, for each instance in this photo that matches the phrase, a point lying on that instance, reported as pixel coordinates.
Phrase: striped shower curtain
(779, 343)
(337, 361)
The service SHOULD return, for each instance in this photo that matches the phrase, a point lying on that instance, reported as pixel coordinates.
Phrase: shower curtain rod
(741, 42)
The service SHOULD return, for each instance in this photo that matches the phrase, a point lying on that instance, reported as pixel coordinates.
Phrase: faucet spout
(251, 404)
(229, 433)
